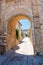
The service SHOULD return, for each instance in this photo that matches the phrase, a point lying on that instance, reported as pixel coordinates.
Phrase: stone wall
(30, 8)
(41, 16)
(37, 26)
(41, 21)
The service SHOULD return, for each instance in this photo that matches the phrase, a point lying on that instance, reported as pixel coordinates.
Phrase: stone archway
(31, 9)
(11, 30)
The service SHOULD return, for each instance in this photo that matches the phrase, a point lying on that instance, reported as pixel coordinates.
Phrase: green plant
(17, 34)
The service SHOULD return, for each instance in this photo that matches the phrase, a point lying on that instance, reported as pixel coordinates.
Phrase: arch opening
(12, 40)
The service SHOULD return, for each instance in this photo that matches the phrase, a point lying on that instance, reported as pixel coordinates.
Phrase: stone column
(37, 27)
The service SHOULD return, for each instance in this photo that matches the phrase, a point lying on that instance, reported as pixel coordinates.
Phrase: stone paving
(25, 47)
(23, 55)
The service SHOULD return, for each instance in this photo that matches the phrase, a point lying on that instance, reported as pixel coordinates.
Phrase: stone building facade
(12, 10)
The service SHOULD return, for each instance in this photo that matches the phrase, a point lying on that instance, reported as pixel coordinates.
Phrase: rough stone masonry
(31, 8)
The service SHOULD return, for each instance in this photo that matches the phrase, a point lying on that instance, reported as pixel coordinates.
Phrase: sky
(25, 24)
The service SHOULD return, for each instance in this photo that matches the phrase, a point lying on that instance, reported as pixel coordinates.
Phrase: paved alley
(25, 47)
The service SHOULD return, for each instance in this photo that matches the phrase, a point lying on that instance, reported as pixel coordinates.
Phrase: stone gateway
(14, 10)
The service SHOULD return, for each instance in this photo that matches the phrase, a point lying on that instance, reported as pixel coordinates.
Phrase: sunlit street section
(25, 47)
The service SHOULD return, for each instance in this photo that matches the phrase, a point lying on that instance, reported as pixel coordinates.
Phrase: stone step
(3, 44)
(0, 40)
(4, 40)
(2, 36)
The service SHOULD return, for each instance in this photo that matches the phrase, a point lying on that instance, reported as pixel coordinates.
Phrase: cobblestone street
(22, 55)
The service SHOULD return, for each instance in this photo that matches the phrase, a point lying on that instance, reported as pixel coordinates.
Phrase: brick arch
(11, 29)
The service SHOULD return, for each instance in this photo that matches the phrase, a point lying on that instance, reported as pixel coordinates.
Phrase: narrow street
(22, 55)
(25, 47)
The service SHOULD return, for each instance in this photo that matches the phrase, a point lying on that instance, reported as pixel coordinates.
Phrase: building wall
(41, 16)
(30, 8)
(41, 20)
